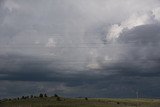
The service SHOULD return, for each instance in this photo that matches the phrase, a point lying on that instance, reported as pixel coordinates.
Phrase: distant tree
(45, 95)
(31, 96)
(55, 95)
(86, 98)
(41, 95)
(22, 97)
(27, 97)
(5, 99)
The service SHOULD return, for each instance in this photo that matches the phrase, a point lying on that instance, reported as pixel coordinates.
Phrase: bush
(27, 97)
(55, 95)
(22, 97)
(41, 95)
(45, 95)
(86, 98)
(31, 96)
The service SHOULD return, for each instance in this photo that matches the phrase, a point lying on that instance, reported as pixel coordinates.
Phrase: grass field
(80, 102)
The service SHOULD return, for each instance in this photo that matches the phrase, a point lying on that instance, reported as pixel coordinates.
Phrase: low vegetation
(56, 101)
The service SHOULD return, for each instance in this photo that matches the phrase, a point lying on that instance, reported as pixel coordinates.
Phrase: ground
(80, 102)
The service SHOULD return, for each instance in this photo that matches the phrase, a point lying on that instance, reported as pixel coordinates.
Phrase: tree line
(41, 95)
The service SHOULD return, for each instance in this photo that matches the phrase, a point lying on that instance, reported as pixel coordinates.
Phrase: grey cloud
(78, 32)
(22, 68)
(142, 43)
(145, 35)
(36, 76)
(112, 86)
(138, 52)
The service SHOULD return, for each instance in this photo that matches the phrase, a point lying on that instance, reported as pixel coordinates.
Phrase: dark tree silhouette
(31, 96)
(27, 97)
(41, 95)
(55, 95)
(22, 97)
(45, 95)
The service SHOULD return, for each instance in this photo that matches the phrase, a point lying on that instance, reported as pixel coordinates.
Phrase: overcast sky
(77, 48)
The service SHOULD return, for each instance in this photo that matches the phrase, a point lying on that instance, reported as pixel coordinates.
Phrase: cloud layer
(59, 46)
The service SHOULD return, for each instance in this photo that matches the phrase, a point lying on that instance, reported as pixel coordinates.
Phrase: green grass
(81, 102)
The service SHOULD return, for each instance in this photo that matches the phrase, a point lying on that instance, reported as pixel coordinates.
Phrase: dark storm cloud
(23, 68)
(145, 35)
(141, 46)
(59, 46)
(139, 53)
(128, 78)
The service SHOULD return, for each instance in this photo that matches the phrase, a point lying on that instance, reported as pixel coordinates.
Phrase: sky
(79, 48)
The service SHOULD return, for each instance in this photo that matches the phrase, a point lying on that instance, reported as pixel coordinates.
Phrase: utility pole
(137, 94)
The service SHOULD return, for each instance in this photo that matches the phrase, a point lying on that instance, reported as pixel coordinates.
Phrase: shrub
(86, 98)
(41, 95)
(22, 97)
(45, 95)
(31, 96)
(55, 95)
